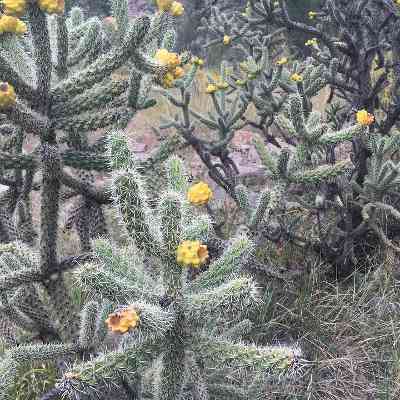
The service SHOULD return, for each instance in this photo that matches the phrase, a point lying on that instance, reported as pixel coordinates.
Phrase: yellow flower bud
(240, 82)
(197, 61)
(311, 42)
(176, 9)
(282, 61)
(16, 8)
(296, 77)
(227, 40)
(164, 5)
(312, 14)
(191, 253)
(211, 88)
(51, 6)
(364, 118)
(199, 194)
(7, 95)
(168, 80)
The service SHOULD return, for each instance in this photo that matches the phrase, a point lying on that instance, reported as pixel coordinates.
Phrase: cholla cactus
(57, 86)
(338, 207)
(164, 317)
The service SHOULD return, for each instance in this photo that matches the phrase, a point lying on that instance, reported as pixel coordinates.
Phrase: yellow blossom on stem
(282, 61)
(164, 57)
(296, 77)
(176, 9)
(7, 95)
(179, 72)
(364, 118)
(312, 14)
(51, 6)
(172, 61)
(197, 61)
(164, 5)
(191, 253)
(240, 82)
(227, 40)
(16, 8)
(211, 88)
(311, 42)
(199, 194)
(122, 321)
(9, 24)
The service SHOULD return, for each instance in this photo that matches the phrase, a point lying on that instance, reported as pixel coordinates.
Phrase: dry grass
(349, 332)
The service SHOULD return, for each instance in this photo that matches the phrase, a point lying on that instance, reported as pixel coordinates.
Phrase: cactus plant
(56, 86)
(161, 314)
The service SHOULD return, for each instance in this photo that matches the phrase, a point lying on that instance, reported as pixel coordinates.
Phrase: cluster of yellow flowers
(9, 21)
(175, 8)
(122, 321)
(174, 64)
(7, 95)
(16, 8)
(191, 253)
(312, 42)
(10, 24)
(52, 6)
(215, 87)
(296, 77)
(364, 118)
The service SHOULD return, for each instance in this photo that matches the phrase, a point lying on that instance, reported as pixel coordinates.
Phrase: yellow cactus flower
(164, 57)
(52, 6)
(211, 88)
(7, 95)
(9, 24)
(176, 9)
(164, 5)
(227, 40)
(240, 82)
(364, 118)
(168, 80)
(311, 42)
(282, 61)
(312, 14)
(199, 194)
(191, 253)
(296, 77)
(122, 321)
(179, 72)
(397, 2)
(173, 62)
(16, 8)
(197, 61)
